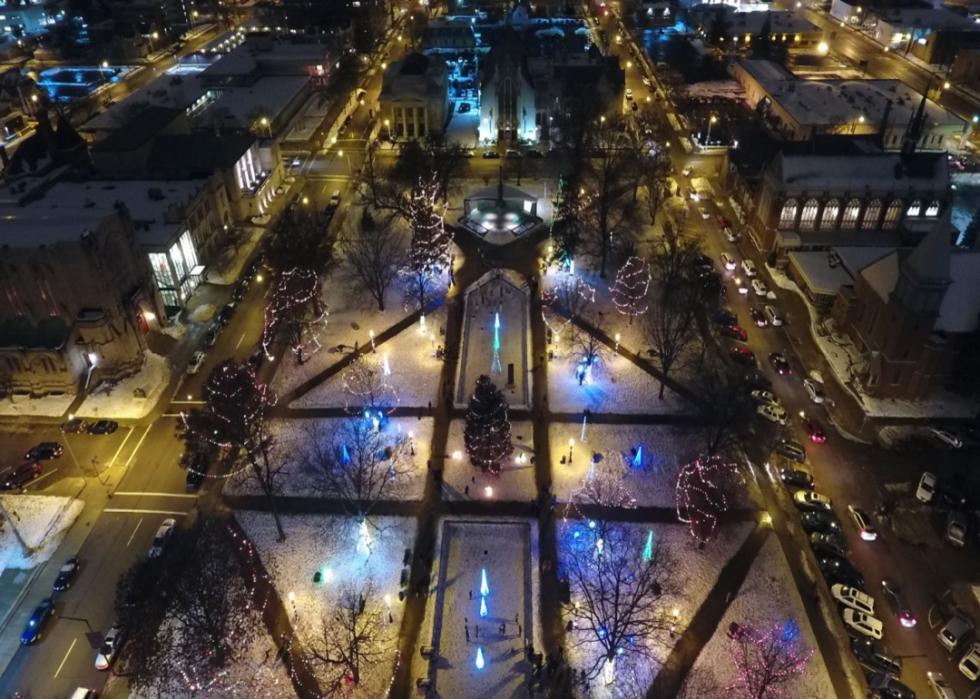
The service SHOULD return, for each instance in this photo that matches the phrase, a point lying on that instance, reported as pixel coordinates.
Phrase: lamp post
(388, 127)
(711, 120)
(571, 445)
(347, 158)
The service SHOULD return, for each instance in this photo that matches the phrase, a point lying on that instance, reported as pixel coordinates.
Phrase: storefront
(177, 272)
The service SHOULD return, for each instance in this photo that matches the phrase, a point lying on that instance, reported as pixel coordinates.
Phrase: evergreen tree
(567, 229)
(487, 433)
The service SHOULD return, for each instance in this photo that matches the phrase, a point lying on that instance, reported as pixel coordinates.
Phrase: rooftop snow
(856, 172)
(960, 309)
(816, 269)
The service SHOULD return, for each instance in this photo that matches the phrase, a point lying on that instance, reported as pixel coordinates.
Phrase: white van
(954, 631)
(864, 624)
(853, 598)
(773, 314)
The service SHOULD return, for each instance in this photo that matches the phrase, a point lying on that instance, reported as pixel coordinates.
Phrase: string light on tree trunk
(700, 495)
(630, 290)
(295, 308)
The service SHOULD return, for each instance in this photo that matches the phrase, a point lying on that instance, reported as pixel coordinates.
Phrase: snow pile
(515, 482)
(41, 521)
(120, 400)
(203, 313)
(46, 406)
(176, 330)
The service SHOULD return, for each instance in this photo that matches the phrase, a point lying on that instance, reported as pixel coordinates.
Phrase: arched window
(787, 217)
(871, 215)
(915, 208)
(892, 214)
(828, 219)
(851, 210)
(808, 217)
(933, 209)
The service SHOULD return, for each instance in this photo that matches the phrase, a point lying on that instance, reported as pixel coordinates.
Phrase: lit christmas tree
(766, 659)
(487, 433)
(700, 495)
(429, 248)
(297, 310)
(629, 291)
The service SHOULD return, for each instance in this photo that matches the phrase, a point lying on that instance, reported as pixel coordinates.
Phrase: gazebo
(500, 213)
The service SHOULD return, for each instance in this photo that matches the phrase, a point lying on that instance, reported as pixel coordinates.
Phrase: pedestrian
(467, 633)
(471, 594)
(561, 654)
(430, 407)
(466, 491)
(516, 619)
(477, 631)
(519, 631)
(391, 619)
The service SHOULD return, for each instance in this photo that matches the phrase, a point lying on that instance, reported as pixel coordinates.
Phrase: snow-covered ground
(508, 550)
(203, 313)
(768, 596)
(515, 481)
(292, 443)
(330, 545)
(415, 370)
(651, 481)
(693, 574)
(120, 402)
(48, 406)
(41, 521)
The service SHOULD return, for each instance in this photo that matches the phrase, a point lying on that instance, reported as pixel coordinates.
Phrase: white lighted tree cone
(631, 288)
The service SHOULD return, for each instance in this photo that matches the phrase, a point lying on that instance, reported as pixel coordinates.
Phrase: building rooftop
(960, 309)
(139, 129)
(816, 172)
(930, 18)
(198, 153)
(821, 276)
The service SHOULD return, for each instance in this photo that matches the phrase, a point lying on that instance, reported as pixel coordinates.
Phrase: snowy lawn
(119, 401)
(415, 371)
(293, 435)
(649, 479)
(48, 406)
(508, 550)
(768, 596)
(515, 481)
(693, 574)
(42, 521)
(330, 544)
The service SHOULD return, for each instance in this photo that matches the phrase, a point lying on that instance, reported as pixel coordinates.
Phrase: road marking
(138, 445)
(63, 660)
(158, 495)
(130, 540)
(41, 478)
(187, 402)
(116, 455)
(240, 340)
(172, 415)
(124, 511)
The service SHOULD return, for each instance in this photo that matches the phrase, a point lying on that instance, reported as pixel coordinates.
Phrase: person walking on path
(467, 628)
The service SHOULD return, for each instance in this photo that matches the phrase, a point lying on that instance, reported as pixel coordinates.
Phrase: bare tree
(235, 415)
(588, 350)
(618, 585)
(729, 410)
(605, 484)
(371, 259)
(354, 636)
(300, 239)
(367, 387)
(766, 660)
(356, 464)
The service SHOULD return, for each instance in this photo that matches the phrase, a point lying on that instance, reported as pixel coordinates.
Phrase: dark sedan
(780, 364)
(66, 574)
(742, 356)
(45, 451)
(828, 544)
(758, 317)
(840, 570)
(102, 427)
(794, 478)
(899, 604)
(35, 624)
(824, 522)
(735, 332)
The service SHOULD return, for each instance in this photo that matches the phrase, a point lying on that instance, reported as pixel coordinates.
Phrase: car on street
(790, 449)
(722, 221)
(811, 500)
(73, 426)
(829, 544)
(840, 570)
(874, 657)
(164, 531)
(814, 390)
(896, 600)
(926, 488)
(211, 337)
(730, 235)
(893, 689)
(490, 154)
(853, 598)
(726, 316)
(780, 363)
(735, 332)
(687, 171)
(728, 261)
(758, 317)
(111, 643)
(956, 524)
(224, 316)
(197, 470)
(512, 153)
(629, 93)
(66, 574)
(970, 663)
(940, 687)
(946, 437)
(634, 106)
(463, 108)
(197, 361)
(759, 287)
(795, 478)
(18, 477)
(954, 632)
(748, 266)
(813, 429)
(45, 451)
(822, 522)
(773, 413)
(741, 285)
(863, 522)
(765, 397)
(773, 314)
(755, 379)
(102, 427)
(864, 624)
(35, 623)
(704, 213)
(741, 355)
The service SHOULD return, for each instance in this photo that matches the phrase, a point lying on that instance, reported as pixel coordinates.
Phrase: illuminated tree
(569, 226)
(235, 415)
(296, 311)
(629, 291)
(766, 659)
(367, 387)
(700, 495)
(487, 433)
(430, 244)
(570, 298)
(605, 484)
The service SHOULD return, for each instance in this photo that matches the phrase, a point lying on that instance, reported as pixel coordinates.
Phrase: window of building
(892, 214)
(187, 248)
(828, 219)
(161, 271)
(851, 210)
(808, 217)
(871, 215)
(933, 209)
(915, 208)
(787, 217)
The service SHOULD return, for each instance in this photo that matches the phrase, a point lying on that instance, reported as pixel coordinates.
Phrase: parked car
(726, 316)
(956, 528)
(896, 600)
(862, 520)
(335, 199)
(759, 287)
(197, 361)
(891, 688)
(463, 108)
(954, 631)
(704, 213)
(742, 356)
(532, 153)
(864, 624)
(758, 317)
(66, 574)
(926, 488)
(946, 437)
(772, 413)
(822, 522)
(73, 426)
(687, 171)
(755, 379)
(853, 598)
(773, 314)
(970, 663)
(813, 429)
(629, 93)
(225, 314)
(748, 266)
(45, 451)
(35, 623)
(764, 397)
(940, 687)
(197, 470)
(722, 221)
(780, 363)
(164, 531)
(17, 477)
(111, 643)
(829, 544)
(735, 332)
(814, 390)
(102, 427)
(795, 478)
(874, 657)
(840, 570)
(730, 235)
(211, 338)
(811, 500)
(728, 262)
(790, 449)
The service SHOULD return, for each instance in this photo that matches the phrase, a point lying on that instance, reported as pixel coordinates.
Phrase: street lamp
(388, 127)
(711, 120)
(347, 158)
(571, 445)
